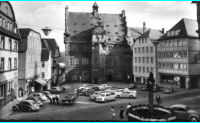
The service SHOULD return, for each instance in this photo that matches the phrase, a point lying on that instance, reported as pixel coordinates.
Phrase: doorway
(110, 78)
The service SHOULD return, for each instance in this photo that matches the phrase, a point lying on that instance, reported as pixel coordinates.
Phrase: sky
(156, 14)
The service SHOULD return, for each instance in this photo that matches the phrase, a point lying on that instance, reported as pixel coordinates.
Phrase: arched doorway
(110, 78)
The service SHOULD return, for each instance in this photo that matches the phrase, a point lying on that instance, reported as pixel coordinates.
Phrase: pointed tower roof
(95, 4)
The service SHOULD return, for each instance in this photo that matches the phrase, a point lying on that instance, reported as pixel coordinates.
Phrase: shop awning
(40, 81)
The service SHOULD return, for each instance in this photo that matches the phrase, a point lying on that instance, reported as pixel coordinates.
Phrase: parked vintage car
(95, 94)
(26, 105)
(185, 112)
(69, 99)
(132, 86)
(46, 93)
(35, 99)
(55, 90)
(85, 86)
(143, 88)
(168, 90)
(83, 91)
(128, 94)
(41, 96)
(91, 91)
(104, 97)
(102, 86)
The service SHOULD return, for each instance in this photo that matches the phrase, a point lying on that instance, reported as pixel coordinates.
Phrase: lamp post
(46, 31)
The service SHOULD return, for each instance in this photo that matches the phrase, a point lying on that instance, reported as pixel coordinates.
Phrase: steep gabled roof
(152, 34)
(187, 29)
(52, 44)
(81, 24)
(24, 32)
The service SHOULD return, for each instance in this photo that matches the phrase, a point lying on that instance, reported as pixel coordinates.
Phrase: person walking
(158, 99)
(53, 98)
(112, 113)
(50, 98)
(128, 106)
(57, 99)
(121, 113)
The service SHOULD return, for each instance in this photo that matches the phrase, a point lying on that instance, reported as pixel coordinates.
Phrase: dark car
(35, 99)
(26, 105)
(185, 112)
(143, 88)
(132, 86)
(69, 99)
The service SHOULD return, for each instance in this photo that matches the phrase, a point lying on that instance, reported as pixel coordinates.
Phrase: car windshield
(188, 108)
(103, 95)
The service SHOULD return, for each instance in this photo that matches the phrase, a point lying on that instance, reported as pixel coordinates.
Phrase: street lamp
(46, 31)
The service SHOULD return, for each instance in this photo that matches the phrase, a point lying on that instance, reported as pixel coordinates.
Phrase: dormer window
(117, 39)
(172, 33)
(115, 25)
(116, 32)
(75, 23)
(107, 25)
(168, 34)
(83, 24)
(177, 32)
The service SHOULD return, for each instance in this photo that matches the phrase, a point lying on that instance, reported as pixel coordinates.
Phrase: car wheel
(193, 119)
(118, 96)
(29, 109)
(14, 108)
(131, 96)
(105, 101)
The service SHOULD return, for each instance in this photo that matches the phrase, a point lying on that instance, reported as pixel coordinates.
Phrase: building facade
(29, 62)
(177, 55)
(46, 65)
(145, 55)
(52, 45)
(9, 38)
(96, 49)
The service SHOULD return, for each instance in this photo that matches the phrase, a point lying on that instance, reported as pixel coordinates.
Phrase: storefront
(39, 84)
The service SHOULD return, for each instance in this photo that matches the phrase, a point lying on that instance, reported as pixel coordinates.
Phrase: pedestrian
(128, 106)
(57, 99)
(112, 113)
(80, 78)
(77, 93)
(53, 98)
(121, 114)
(158, 99)
(50, 98)
(63, 89)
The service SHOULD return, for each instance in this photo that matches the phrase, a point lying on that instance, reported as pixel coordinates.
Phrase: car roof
(179, 105)
(105, 93)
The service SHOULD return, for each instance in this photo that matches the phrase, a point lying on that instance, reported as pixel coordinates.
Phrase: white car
(95, 94)
(117, 92)
(84, 86)
(41, 96)
(104, 97)
(129, 94)
(55, 90)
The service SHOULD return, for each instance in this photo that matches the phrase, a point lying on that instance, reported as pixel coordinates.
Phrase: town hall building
(96, 49)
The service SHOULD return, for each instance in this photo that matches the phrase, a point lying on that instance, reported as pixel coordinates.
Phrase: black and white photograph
(113, 61)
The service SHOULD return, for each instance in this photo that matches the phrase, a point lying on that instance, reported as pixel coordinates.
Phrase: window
(159, 55)
(11, 27)
(139, 69)
(168, 33)
(15, 63)
(163, 44)
(184, 66)
(171, 65)
(9, 63)
(176, 66)
(135, 68)
(143, 69)
(172, 33)
(135, 50)
(167, 44)
(143, 50)
(72, 62)
(9, 44)
(139, 59)
(135, 59)
(110, 62)
(151, 60)
(180, 43)
(152, 69)
(2, 88)
(147, 49)
(43, 74)
(8, 26)
(171, 43)
(175, 43)
(145, 40)
(2, 64)
(143, 59)
(142, 40)
(139, 50)
(180, 54)
(147, 59)
(184, 42)
(8, 88)
(175, 54)
(185, 54)
(159, 65)
(2, 46)
(4, 23)
(15, 46)
(171, 54)
(181, 109)
(139, 41)
(43, 64)
(151, 49)
(109, 48)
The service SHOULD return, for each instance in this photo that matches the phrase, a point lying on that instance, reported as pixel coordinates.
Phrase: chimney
(123, 14)
(163, 31)
(144, 27)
